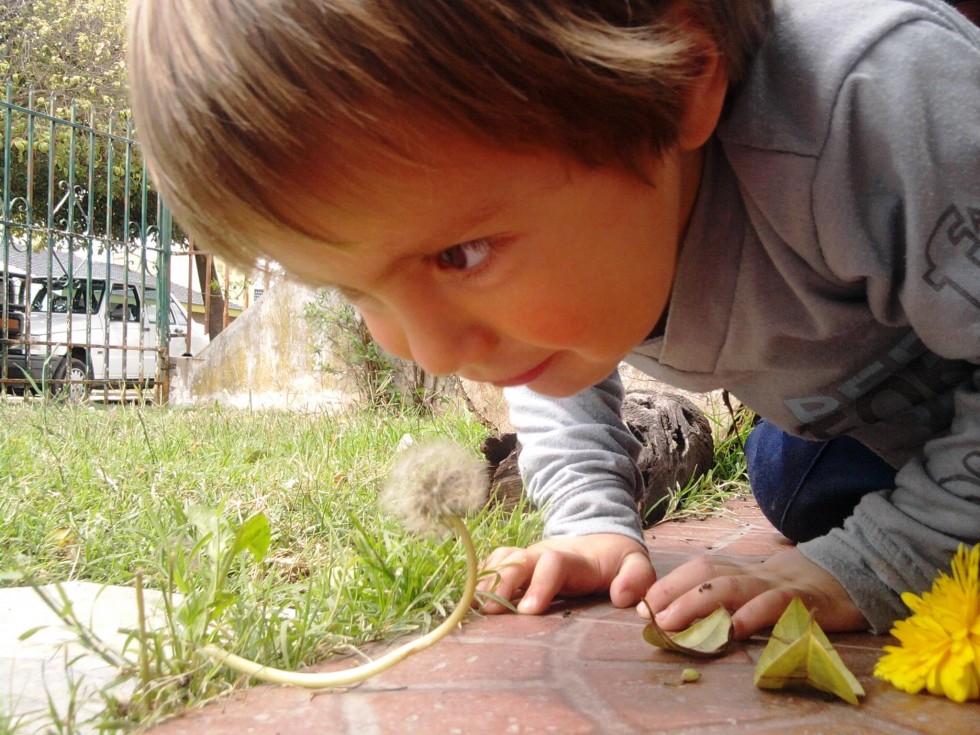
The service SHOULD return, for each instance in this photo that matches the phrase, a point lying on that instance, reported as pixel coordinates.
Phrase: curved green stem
(357, 674)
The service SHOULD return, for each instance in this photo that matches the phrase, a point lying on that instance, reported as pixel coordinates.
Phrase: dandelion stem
(326, 680)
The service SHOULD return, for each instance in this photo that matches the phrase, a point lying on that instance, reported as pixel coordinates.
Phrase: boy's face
(501, 267)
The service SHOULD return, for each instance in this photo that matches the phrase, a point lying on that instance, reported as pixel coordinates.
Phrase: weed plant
(9, 724)
(262, 531)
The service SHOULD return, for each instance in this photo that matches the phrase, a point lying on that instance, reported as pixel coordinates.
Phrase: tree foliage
(72, 171)
(71, 48)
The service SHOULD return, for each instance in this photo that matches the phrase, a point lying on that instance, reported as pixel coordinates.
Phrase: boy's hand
(568, 566)
(757, 593)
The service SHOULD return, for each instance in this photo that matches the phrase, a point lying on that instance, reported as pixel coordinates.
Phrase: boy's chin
(563, 386)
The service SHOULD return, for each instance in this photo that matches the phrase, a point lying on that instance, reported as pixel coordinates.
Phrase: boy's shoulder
(794, 81)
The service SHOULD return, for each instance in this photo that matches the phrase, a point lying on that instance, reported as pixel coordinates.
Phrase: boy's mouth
(524, 378)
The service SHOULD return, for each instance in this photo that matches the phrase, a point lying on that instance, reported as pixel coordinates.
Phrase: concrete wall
(263, 359)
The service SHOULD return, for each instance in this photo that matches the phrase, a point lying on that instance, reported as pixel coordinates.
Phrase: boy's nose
(441, 343)
(447, 346)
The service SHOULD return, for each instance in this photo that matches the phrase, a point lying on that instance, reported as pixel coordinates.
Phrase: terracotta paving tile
(621, 641)
(266, 710)
(923, 714)
(461, 663)
(724, 696)
(752, 546)
(525, 627)
(691, 535)
(665, 561)
(527, 711)
(584, 668)
(788, 725)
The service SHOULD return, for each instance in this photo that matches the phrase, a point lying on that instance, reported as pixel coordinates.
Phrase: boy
(783, 201)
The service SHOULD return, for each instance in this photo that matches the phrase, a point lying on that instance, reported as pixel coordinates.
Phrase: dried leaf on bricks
(709, 637)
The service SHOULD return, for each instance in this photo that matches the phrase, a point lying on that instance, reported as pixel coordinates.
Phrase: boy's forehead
(458, 182)
(432, 196)
(437, 220)
(404, 149)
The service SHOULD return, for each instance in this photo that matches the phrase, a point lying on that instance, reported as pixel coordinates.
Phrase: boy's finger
(503, 564)
(631, 583)
(558, 572)
(732, 592)
(762, 611)
(688, 576)
(550, 575)
(498, 556)
(506, 572)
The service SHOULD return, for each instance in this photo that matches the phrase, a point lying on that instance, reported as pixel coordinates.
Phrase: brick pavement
(584, 668)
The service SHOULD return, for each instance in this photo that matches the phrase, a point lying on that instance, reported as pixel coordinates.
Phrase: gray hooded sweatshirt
(830, 279)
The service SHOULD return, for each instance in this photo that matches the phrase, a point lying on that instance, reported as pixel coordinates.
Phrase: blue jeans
(805, 488)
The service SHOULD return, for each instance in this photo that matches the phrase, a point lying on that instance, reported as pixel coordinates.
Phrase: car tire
(70, 382)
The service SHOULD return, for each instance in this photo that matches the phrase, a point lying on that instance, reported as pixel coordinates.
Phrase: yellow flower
(940, 641)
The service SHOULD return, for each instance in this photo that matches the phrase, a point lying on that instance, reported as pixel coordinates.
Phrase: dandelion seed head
(430, 481)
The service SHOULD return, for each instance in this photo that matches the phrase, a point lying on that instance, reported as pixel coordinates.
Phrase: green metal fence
(84, 256)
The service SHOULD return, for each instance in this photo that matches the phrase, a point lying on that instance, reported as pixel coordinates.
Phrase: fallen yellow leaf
(709, 637)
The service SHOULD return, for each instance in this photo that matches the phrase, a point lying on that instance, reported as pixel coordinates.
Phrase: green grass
(96, 493)
(8, 723)
(262, 530)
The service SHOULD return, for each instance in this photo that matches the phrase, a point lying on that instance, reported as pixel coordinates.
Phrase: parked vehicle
(11, 308)
(82, 332)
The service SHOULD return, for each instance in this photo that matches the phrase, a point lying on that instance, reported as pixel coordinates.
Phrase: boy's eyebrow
(465, 223)
(318, 235)
(328, 238)
(446, 236)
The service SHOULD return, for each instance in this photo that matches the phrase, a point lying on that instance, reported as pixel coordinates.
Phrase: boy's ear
(705, 98)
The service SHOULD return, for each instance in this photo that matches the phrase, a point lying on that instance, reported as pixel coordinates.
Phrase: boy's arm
(901, 169)
(578, 459)
(914, 104)
(896, 541)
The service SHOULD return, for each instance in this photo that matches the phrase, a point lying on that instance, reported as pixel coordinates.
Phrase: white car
(82, 332)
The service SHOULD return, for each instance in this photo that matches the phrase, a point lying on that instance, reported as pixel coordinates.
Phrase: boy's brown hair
(231, 97)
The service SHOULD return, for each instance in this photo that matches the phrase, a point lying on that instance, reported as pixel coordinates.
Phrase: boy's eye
(464, 256)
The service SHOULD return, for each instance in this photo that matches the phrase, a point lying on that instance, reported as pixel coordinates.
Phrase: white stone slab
(39, 671)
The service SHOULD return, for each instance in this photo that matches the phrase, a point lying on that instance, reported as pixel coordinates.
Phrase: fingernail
(526, 605)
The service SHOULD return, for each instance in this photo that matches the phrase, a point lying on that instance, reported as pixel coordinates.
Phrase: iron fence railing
(85, 250)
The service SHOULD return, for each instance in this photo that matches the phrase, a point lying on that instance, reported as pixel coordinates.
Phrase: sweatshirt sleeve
(903, 170)
(578, 460)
